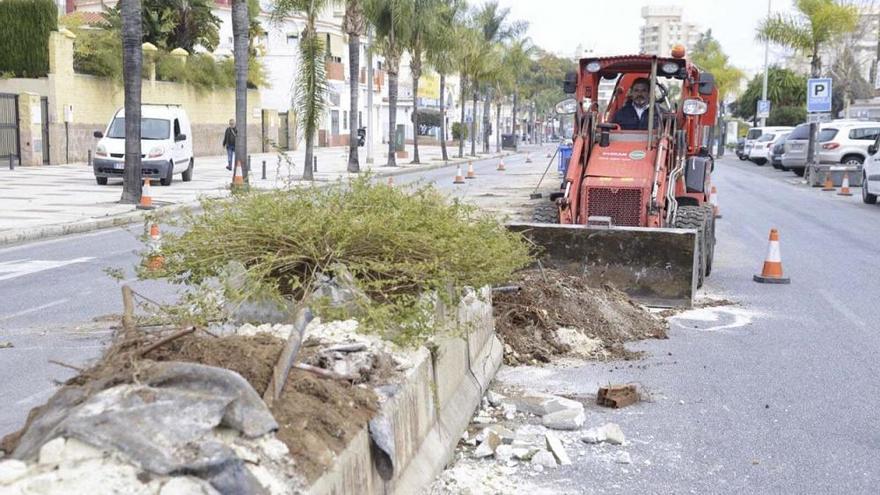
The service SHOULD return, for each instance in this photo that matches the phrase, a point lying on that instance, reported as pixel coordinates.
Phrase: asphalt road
(778, 393)
(57, 303)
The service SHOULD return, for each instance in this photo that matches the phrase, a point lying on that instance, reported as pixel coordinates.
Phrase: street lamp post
(369, 139)
(766, 68)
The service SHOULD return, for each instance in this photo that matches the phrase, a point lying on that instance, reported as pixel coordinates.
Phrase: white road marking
(727, 317)
(19, 268)
(841, 308)
(34, 309)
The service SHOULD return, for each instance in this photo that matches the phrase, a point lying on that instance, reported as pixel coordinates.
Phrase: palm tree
(517, 58)
(354, 25)
(392, 20)
(424, 34)
(811, 27)
(468, 54)
(132, 63)
(311, 81)
(442, 53)
(240, 41)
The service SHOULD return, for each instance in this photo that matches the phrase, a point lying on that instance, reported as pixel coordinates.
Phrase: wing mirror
(707, 83)
(180, 137)
(98, 134)
(569, 85)
(872, 149)
(694, 107)
(566, 107)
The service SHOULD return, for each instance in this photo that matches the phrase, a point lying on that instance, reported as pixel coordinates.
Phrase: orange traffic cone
(829, 184)
(844, 187)
(459, 179)
(155, 261)
(501, 165)
(772, 271)
(146, 202)
(390, 181)
(237, 179)
(713, 200)
(470, 173)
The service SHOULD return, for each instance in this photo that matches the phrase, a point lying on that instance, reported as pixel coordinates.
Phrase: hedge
(24, 36)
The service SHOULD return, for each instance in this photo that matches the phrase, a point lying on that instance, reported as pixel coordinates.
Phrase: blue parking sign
(819, 95)
(763, 109)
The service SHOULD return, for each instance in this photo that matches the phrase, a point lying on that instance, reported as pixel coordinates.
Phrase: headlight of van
(156, 152)
(101, 150)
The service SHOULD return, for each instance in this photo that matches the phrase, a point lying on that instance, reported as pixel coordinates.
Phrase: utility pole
(369, 137)
(766, 68)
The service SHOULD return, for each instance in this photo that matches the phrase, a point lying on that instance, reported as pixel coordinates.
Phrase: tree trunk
(531, 124)
(354, 59)
(514, 130)
(461, 123)
(497, 127)
(487, 120)
(240, 36)
(415, 80)
(132, 63)
(443, 117)
(392, 111)
(474, 122)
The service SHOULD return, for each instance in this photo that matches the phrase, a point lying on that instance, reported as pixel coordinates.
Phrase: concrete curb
(20, 236)
(428, 413)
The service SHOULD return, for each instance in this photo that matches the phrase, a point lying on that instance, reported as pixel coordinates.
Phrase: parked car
(740, 148)
(760, 151)
(166, 145)
(795, 157)
(871, 174)
(777, 150)
(755, 133)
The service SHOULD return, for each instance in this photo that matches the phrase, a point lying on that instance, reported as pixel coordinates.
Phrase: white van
(166, 145)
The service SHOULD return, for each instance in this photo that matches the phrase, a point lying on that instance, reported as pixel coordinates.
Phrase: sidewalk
(53, 200)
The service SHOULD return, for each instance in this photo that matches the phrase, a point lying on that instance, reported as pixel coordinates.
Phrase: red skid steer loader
(633, 210)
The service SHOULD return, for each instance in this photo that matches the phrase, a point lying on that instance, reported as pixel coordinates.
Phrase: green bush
(24, 36)
(98, 52)
(459, 131)
(398, 245)
(787, 116)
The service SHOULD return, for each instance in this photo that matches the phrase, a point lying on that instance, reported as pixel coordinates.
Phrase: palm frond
(311, 86)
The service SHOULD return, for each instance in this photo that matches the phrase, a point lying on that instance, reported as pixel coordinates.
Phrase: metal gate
(283, 132)
(9, 146)
(44, 110)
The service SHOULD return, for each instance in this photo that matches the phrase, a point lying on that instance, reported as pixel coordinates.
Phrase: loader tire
(695, 217)
(710, 237)
(546, 212)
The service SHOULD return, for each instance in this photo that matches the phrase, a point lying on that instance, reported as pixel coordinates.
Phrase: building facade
(665, 28)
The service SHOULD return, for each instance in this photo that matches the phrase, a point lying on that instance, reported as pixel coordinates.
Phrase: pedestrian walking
(229, 143)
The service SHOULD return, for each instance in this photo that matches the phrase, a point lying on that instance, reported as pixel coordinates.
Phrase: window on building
(345, 120)
(360, 118)
(292, 38)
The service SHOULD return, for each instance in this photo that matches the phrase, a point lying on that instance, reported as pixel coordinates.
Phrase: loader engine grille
(623, 205)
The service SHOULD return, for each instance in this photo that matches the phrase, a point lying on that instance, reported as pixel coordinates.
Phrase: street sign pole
(818, 101)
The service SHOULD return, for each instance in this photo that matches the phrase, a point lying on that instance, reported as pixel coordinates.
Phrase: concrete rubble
(609, 432)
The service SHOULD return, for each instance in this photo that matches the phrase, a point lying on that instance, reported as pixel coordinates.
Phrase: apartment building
(665, 28)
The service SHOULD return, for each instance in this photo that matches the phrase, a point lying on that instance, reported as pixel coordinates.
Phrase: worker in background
(633, 116)
(229, 143)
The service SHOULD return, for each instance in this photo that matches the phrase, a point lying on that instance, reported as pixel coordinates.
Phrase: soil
(527, 321)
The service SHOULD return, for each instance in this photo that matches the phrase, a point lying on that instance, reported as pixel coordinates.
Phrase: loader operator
(633, 116)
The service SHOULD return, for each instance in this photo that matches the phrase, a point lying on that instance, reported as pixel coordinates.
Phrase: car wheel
(799, 171)
(188, 173)
(169, 177)
(102, 181)
(867, 198)
(777, 166)
(784, 168)
(742, 157)
(852, 160)
(760, 161)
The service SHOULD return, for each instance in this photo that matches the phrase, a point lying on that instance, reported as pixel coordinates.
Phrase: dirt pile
(556, 314)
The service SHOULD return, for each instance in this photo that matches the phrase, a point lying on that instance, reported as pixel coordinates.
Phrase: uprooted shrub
(397, 244)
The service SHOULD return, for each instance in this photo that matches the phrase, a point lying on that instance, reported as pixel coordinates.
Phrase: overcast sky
(612, 26)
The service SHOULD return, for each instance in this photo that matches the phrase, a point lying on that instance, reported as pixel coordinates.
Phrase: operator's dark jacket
(229, 138)
(628, 120)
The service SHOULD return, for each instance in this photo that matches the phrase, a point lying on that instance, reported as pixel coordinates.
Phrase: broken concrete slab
(494, 398)
(539, 404)
(556, 448)
(567, 419)
(544, 459)
(609, 432)
(11, 470)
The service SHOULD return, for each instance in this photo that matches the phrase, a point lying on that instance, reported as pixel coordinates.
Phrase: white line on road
(841, 308)
(34, 309)
(19, 268)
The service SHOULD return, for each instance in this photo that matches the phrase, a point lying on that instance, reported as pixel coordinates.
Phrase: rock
(613, 434)
(609, 432)
(492, 439)
(504, 453)
(544, 458)
(568, 419)
(51, 452)
(524, 453)
(6, 345)
(494, 398)
(11, 470)
(537, 467)
(483, 450)
(506, 436)
(75, 450)
(509, 410)
(540, 404)
(557, 449)
(273, 448)
(623, 458)
(186, 485)
(483, 420)
(579, 343)
(247, 330)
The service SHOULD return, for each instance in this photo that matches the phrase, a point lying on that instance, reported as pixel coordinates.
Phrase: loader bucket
(656, 267)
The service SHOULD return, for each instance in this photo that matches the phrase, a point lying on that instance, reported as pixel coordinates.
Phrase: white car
(871, 174)
(761, 148)
(847, 142)
(166, 145)
(755, 133)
